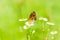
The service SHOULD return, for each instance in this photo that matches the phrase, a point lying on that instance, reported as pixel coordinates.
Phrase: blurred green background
(12, 10)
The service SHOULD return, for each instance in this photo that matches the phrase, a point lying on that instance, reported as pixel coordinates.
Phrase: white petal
(23, 19)
(45, 19)
(56, 32)
(53, 32)
(49, 23)
(41, 18)
(20, 19)
(25, 27)
(32, 24)
(29, 24)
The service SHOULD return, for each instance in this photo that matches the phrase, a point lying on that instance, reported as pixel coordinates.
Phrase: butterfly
(32, 16)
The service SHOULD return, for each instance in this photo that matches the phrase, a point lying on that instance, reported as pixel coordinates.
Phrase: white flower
(26, 27)
(23, 19)
(53, 32)
(29, 23)
(33, 31)
(41, 18)
(49, 23)
(44, 19)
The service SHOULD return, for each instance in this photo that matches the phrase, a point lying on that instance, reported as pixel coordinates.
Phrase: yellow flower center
(29, 22)
(22, 18)
(27, 27)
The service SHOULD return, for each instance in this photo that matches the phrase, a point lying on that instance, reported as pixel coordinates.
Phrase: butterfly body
(32, 16)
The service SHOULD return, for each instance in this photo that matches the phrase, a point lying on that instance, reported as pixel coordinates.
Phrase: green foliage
(12, 10)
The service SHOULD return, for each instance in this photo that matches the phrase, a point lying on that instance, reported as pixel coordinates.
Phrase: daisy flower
(26, 27)
(44, 19)
(23, 19)
(29, 23)
(49, 23)
(41, 18)
(53, 32)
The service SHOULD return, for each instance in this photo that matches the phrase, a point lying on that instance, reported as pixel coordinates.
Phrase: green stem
(27, 36)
